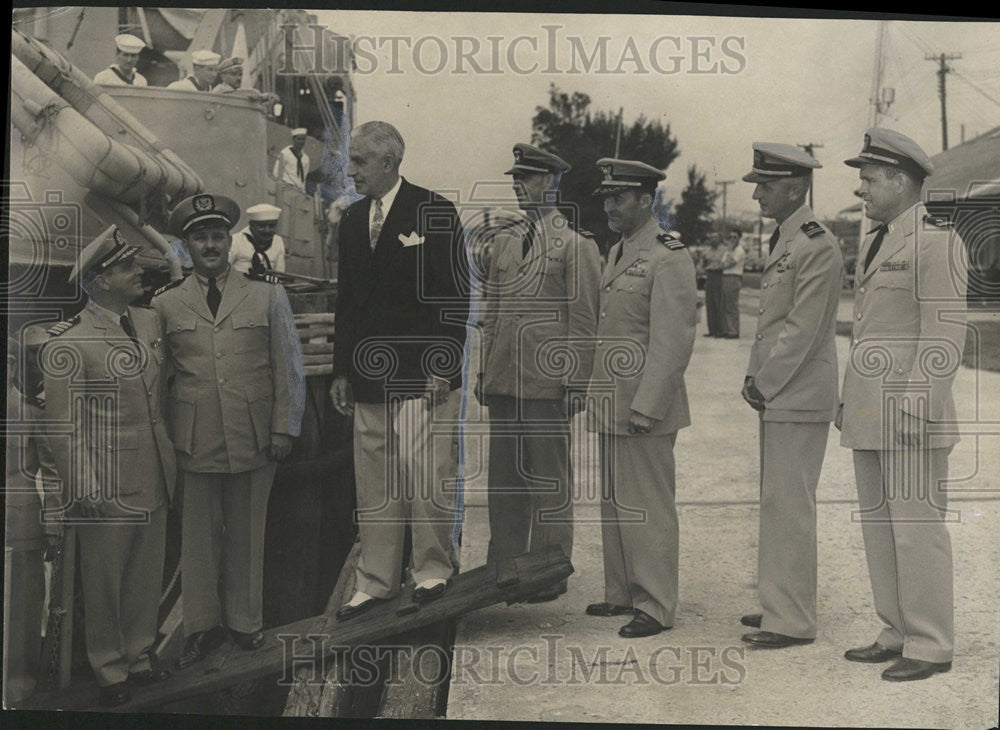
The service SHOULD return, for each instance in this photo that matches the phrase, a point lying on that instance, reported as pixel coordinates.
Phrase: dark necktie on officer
(214, 296)
(774, 240)
(876, 245)
(621, 250)
(529, 239)
(298, 164)
(127, 326)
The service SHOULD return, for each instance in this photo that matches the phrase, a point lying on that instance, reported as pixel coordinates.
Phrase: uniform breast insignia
(894, 266)
(937, 221)
(263, 276)
(61, 327)
(168, 287)
(671, 242)
(783, 263)
(812, 229)
(637, 268)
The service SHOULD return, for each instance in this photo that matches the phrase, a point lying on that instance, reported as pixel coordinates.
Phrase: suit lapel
(146, 338)
(234, 293)
(193, 298)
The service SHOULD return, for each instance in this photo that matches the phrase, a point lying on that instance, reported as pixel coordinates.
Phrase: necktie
(214, 296)
(298, 164)
(774, 240)
(621, 250)
(260, 261)
(377, 221)
(528, 240)
(127, 326)
(876, 245)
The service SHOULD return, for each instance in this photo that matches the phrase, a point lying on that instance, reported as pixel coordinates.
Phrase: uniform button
(178, 328)
(153, 420)
(607, 288)
(600, 342)
(760, 337)
(604, 314)
(862, 290)
(859, 315)
(109, 447)
(218, 354)
(149, 393)
(217, 328)
(251, 325)
(899, 370)
(222, 381)
(760, 311)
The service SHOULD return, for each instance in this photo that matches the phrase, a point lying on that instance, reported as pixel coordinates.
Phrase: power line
(974, 86)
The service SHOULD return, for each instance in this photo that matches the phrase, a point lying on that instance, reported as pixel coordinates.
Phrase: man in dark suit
(402, 307)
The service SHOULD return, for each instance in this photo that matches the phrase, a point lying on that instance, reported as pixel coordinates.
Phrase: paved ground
(551, 662)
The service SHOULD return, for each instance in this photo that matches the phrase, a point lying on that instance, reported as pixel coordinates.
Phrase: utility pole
(725, 185)
(809, 147)
(943, 69)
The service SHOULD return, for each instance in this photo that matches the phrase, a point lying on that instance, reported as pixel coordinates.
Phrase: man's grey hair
(384, 137)
(800, 185)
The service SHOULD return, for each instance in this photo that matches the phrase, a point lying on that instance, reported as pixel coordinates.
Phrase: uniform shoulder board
(58, 329)
(585, 233)
(167, 287)
(937, 220)
(812, 229)
(269, 278)
(671, 242)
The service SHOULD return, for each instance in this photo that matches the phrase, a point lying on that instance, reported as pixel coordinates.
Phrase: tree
(692, 216)
(569, 129)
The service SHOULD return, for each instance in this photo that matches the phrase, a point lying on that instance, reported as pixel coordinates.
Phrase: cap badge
(203, 202)
(868, 141)
(119, 238)
(517, 156)
(607, 169)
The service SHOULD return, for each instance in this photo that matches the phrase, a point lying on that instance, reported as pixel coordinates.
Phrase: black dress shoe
(248, 641)
(752, 620)
(115, 694)
(607, 609)
(200, 644)
(642, 624)
(147, 677)
(771, 640)
(348, 611)
(871, 654)
(547, 594)
(422, 595)
(906, 670)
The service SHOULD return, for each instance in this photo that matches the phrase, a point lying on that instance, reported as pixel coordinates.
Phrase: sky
(721, 83)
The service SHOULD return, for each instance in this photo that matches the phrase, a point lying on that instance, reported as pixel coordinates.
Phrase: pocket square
(412, 240)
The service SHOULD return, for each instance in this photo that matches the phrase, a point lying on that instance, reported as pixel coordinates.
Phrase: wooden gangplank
(318, 637)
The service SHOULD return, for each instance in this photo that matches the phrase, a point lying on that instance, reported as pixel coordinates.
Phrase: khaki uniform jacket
(645, 334)
(909, 329)
(26, 456)
(793, 359)
(116, 444)
(238, 377)
(540, 311)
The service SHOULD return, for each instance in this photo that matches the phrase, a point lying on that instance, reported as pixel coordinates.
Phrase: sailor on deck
(205, 69)
(293, 163)
(122, 72)
(230, 76)
(257, 247)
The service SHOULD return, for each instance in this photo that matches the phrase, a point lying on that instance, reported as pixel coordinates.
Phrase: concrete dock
(551, 662)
